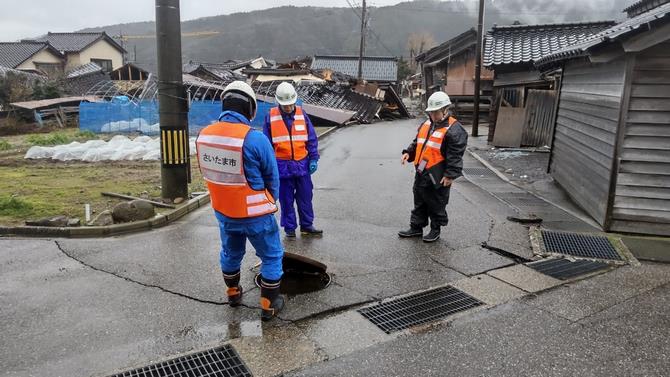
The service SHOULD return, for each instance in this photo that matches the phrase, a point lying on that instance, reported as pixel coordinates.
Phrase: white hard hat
(285, 94)
(243, 88)
(437, 101)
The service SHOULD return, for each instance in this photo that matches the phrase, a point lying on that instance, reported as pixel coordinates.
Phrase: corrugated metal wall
(642, 202)
(586, 131)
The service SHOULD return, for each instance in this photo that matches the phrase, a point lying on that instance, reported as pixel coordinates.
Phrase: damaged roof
(76, 42)
(82, 70)
(82, 84)
(333, 96)
(617, 32)
(29, 75)
(511, 44)
(12, 54)
(375, 68)
(211, 71)
(452, 47)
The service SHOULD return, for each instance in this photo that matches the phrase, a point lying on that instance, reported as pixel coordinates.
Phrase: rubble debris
(516, 258)
(135, 210)
(104, 218)
(525, 219)
(53, 221)
(128, 197)
(329, 95)
(74, 222)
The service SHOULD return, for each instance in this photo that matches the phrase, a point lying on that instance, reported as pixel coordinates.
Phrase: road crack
(218, 303)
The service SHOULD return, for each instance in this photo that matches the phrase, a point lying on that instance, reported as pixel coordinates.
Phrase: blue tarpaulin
(123, 116)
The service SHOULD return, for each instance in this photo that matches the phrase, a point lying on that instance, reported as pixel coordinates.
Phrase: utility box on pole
(172, 103)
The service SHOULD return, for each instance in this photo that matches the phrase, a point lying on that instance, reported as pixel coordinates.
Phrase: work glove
(313, 165)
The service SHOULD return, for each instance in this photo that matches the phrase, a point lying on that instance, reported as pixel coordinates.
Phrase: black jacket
(453, 148)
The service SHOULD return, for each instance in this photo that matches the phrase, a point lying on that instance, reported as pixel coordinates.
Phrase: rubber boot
(432, 236)
(411, 232)
(271, 301)
(311, 231)
(234, 291)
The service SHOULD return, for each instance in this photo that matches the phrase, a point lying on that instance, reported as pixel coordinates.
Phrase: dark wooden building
(451, 67)
(524, 98)
(611, 149)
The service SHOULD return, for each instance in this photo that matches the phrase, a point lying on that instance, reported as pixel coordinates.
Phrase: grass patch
(58, 138)
(47, 188)
(49, 139)
(86, 135)
(14, 207)
(4, 145)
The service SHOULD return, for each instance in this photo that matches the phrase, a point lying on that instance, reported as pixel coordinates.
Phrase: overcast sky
(36, 17)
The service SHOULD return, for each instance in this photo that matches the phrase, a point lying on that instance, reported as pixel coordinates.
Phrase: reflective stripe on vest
(289, 146)
(428, 146)
(221, 161)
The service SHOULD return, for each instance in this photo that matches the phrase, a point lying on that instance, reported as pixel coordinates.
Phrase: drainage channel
(579, 245)
(564, 269)
(420, 308)
(221, 361)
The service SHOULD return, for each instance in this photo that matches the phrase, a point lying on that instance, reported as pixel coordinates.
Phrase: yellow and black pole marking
(174, 147)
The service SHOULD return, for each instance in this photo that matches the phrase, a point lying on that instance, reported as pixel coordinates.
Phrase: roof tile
(527, 43)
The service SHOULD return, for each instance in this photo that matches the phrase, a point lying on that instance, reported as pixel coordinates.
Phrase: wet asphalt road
(83, 307)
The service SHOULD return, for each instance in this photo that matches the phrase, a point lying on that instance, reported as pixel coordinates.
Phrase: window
(105, 64)
(50, 69)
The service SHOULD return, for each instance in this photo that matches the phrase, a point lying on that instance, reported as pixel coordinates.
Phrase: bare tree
(418, 43)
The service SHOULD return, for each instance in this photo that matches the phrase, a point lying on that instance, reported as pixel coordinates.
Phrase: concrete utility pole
(172, 104)
(361, 51)
(478, 69)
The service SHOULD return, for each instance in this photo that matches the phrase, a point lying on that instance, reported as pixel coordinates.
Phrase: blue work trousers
(296, 190)
(263, 234)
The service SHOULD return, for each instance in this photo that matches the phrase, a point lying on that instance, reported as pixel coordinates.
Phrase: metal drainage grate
(417, 309)
(478, 172)
(579, 245)
(222, 361)
(564, 269)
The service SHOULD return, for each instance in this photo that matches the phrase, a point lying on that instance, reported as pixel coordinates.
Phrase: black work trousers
(429, 203)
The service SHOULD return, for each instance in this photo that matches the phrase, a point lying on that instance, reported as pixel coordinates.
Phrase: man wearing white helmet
(437, 153)
(296, 147)
(241, 172)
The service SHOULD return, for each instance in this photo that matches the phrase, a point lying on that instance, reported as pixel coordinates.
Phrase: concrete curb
(116, 229)
(107, 231)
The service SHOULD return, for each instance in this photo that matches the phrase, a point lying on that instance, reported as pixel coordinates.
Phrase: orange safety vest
(289, 146)
(221, 161)
(428, 147)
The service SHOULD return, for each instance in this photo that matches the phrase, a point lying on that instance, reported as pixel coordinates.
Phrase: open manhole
(579, 245)
(564, 269)
(221, 361)
(301, 275)
(478, 172)
(420, 308)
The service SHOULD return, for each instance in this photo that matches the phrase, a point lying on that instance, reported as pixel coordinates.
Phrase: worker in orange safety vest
(437, 153)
